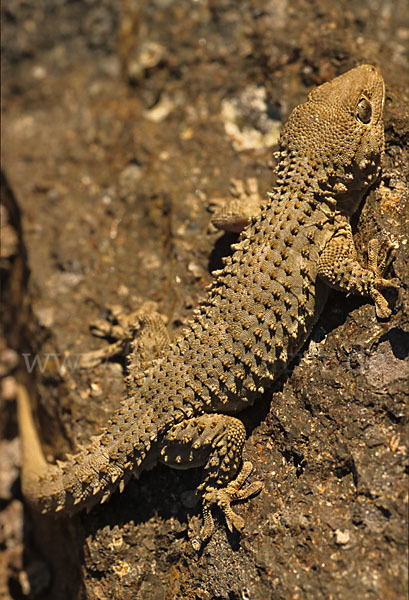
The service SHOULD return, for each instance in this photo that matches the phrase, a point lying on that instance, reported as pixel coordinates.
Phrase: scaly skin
(259, 311)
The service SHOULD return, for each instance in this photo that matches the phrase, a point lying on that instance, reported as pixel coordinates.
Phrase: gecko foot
(223, 497)
(381, 305)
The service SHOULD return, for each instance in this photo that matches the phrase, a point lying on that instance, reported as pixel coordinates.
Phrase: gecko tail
(51, 488)
(34, 464)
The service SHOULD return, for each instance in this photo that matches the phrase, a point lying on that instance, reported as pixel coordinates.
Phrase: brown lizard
(259, 311)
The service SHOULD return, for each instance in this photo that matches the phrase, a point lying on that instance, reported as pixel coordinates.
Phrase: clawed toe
(377, 267)
(381, 304)
(388, 283)
(247, 491)
(223, 497)
(96, 357)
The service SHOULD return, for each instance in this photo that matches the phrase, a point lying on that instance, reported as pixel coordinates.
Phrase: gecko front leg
(338, 266)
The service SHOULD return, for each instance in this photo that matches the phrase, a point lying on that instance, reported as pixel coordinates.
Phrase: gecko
(180, 408)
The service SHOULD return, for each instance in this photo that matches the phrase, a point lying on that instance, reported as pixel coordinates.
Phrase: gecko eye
(364, 110)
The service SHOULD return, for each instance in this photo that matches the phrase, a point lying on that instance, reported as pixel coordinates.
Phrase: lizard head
(337, 135)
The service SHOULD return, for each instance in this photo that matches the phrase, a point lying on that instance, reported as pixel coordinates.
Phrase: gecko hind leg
(216, 441)
(141, 336)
